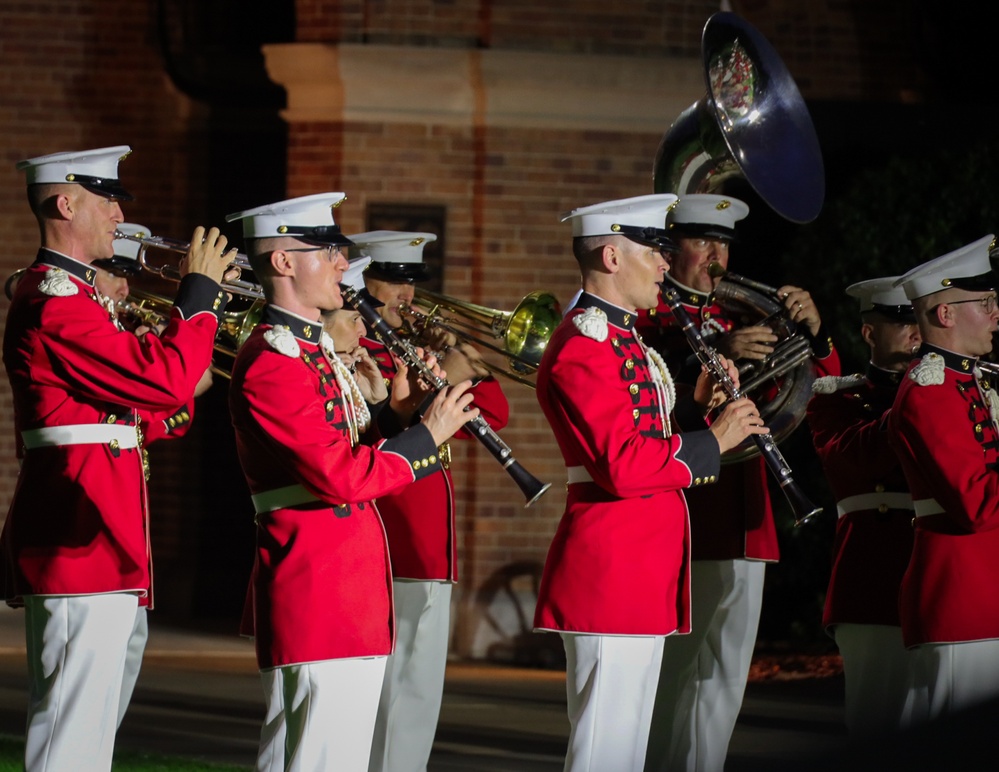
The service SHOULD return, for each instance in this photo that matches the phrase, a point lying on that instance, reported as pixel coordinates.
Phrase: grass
(12, 760)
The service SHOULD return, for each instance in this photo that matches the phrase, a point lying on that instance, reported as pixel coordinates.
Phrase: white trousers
(878, 672)
(703, 675)
(133, 659)
(320, 716)
(410, 702)
(610, 691)
(951, 677)
(76, 655)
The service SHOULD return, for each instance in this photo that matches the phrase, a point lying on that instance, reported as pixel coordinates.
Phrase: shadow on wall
(501, 618)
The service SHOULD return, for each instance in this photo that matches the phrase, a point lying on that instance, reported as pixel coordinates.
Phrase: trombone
(237, 286)
(524, 332)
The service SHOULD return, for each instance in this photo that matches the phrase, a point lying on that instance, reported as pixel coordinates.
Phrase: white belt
(578, 474)
(280, 498)
(865, 501)
(926, 507)
(116, 435)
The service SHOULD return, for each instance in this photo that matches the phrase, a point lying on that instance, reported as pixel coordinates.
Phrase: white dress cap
(125, 248)
(966, 268)
(883, 296)
(96, 170)
(307, 218)
(395, 255)
(354, 276)
(704, 214)
(642, 218)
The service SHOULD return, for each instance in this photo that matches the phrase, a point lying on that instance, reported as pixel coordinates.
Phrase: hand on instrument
(464, 362)
(754, 342)
(450, 410)
(409, 390)
(737, 421)
(709, 394)
(800, 306)
(366, 373)
(207, 254)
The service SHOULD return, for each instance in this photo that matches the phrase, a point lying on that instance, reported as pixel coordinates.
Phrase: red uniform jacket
(321, 584)
(420, 521)
(619, 562)
(849, 422)
(733, 519)
(78, 522)
(945, 437)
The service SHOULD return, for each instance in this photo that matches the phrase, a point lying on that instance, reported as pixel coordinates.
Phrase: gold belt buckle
(444, 454)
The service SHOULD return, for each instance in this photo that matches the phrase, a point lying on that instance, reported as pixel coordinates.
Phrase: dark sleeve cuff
(199, 294)
(700, 453)
(417, 446)
(822, 345)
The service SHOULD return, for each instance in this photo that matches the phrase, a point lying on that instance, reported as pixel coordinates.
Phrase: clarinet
(531, 487)
(801, 507)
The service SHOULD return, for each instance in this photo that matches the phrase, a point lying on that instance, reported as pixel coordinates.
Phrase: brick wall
(83, 73)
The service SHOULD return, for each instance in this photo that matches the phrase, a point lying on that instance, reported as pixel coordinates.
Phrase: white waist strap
(926, 507)
(865, 501)
(578, 474)
(116, 435)
(280, 498)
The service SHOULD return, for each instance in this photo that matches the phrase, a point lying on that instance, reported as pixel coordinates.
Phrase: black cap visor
(319, 235)
(399, 271)
(650, 237)
(696, 230)
(103, 186)
(980, 283)
(902, 314)
(120, 266)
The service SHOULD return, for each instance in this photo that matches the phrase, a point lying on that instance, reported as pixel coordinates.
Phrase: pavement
(199, 696)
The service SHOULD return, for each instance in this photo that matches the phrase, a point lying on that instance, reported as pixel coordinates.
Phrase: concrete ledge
(435, 86)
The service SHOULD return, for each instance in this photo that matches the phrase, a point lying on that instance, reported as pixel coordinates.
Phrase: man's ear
(943, 314)
(63, 206)
(867, 333)
(610, 258)
(282, 263)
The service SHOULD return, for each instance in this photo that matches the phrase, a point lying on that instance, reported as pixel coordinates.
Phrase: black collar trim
(82, 271)
(300, 327)
(688, 295)
(619, 317)
(881, 377)
(958, 362)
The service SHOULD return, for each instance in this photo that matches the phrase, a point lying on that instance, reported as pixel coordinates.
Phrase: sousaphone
(751, 125)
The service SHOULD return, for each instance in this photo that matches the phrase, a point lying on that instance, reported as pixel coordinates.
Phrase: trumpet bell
(751, 124)
(234, 328)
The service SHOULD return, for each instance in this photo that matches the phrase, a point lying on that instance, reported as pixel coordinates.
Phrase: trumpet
(525, 331)
(237, 286)
(148, 308)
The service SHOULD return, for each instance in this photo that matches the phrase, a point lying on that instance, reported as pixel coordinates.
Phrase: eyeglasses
(329, 249)
(988, 303)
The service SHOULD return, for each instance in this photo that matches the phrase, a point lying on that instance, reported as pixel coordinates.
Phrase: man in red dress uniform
(75, 544)
(615, 583)
(733, 535)
(321, 589)
(848, 417)
(943, 428)
(420, 522)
